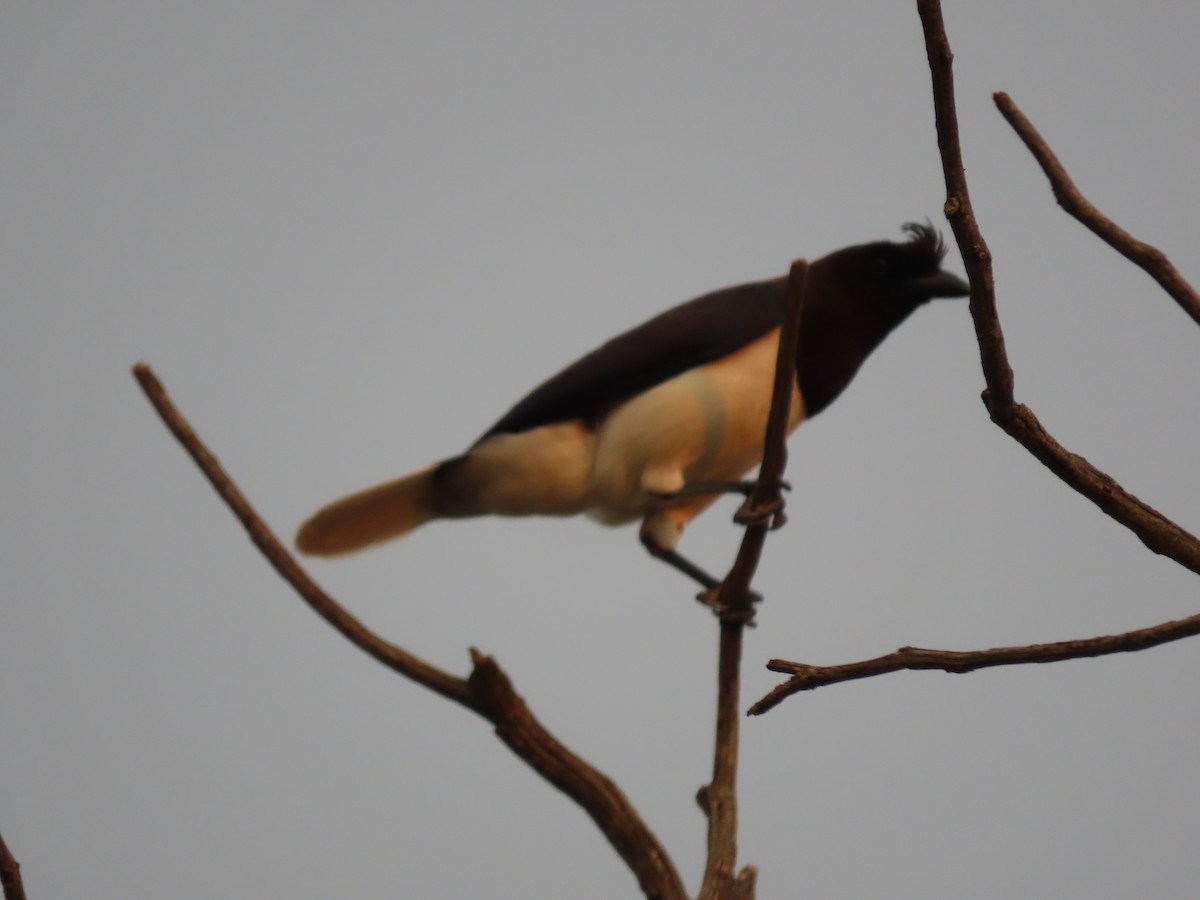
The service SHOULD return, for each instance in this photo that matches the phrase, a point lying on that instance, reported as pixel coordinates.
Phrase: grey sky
(347, 236)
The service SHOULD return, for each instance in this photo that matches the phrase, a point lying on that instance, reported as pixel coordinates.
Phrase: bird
(661, 420)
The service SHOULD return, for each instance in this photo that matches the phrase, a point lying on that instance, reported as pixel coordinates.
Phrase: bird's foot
(769, 514)
(742, 613)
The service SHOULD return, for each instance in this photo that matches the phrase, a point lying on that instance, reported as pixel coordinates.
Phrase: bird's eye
(881, 266)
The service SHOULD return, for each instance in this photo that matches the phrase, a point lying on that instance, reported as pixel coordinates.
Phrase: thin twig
(761, 511)
(10, 874)
(1147, 257)
(807, 677)
(487, 692)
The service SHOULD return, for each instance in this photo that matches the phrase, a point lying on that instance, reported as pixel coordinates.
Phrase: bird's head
(856, 296)
(888, 280)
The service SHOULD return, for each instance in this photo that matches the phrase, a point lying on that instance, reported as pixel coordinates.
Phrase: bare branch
(761, 511)
(807, 677)
(1147, 257)
(1155, 530)
(10, 874)
(285, 564)
(1151, 527)
(747, 882)
(487, 692)
(977, 259)
(597, 794)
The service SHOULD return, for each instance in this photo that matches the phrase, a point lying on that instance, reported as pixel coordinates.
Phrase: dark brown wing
(679, 339)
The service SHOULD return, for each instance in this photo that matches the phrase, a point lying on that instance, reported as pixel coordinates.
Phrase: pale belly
(702, 426)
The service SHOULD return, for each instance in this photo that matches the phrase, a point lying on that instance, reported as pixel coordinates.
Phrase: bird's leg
(681, 563)
(678, 561)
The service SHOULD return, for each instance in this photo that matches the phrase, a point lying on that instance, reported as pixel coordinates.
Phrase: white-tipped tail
(377, 514)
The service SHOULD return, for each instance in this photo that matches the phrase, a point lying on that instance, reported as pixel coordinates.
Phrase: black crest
(927, 240)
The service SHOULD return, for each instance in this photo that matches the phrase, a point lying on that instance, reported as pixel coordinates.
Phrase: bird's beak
(940, 284)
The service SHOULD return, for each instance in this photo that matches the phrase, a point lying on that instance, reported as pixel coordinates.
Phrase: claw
(711, 597)
(769, 514)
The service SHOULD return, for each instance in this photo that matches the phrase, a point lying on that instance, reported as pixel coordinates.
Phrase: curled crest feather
(927, 238)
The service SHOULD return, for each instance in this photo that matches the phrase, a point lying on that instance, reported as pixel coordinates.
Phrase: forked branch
(1155, 530)
(487, 691)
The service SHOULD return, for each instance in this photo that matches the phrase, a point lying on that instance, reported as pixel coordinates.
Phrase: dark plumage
(634, 427)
